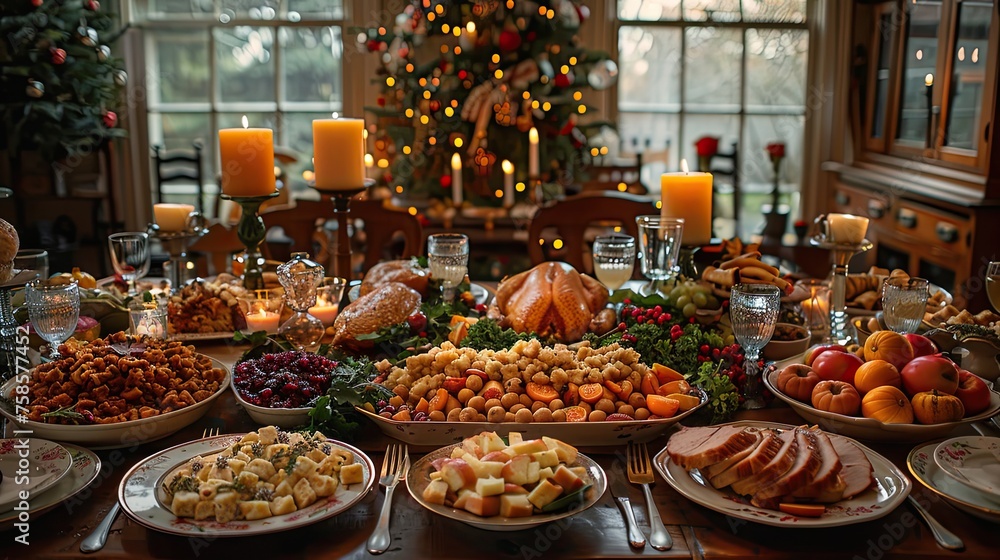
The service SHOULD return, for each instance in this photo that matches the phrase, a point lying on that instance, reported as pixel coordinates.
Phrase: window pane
(712, 10)
(255, 120)
(968, 75)
(887, 35)
(724, 127)
(755, 164)
(312, 63)
(317, 9)
(650, 68)
(920, 61)
(655, 136)
(712, 69)
(789, 11)
(296, 134)
(240, 9)
(649, 10)
(178, 131)
(174, 9)
(181, 75)
(244, 63)
(776, 69)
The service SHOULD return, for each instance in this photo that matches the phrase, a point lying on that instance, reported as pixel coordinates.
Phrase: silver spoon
(96, 539)
(943, 536)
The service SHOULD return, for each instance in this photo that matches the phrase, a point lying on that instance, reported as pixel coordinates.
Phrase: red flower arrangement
(707, 146)
(776, 151)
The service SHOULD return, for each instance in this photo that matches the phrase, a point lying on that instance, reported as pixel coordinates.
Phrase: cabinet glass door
(968, 75)
(920, 56)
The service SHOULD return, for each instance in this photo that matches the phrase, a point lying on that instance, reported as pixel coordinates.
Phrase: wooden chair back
(381, 224)
(572, 216)
(218, 245)
(612, 177)
(179, 165)
(302, 223)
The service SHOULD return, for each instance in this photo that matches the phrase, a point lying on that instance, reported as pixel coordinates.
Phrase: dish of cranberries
(283, 380)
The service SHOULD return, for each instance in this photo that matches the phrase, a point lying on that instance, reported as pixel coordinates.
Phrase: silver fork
(394, 468)
(640, 472)
(99, 536)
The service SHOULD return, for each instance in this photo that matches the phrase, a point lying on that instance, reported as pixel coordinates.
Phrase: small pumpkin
(798, 381)
(876, 373)
(839, 397)
(889, 346)
(935, 407)
(888, 405)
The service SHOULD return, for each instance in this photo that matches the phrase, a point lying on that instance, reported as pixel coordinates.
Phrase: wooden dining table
(598, 532)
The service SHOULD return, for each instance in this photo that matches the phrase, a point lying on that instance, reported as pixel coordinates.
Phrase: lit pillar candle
(339, 154)
(247, 157)
(508, 183)
(263, 320)
(847, 229)
(456, 179)
(171, 217)
(533, 153)
(324, 311)
(688, 195)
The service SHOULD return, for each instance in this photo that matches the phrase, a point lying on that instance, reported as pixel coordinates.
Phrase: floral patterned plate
(973, 461)
(892, 488)
(84, 470)
(48, 463)
(142, 497)
(924, 469)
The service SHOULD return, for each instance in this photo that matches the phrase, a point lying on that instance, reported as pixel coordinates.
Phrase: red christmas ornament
(380, 100)
(445, 181)
(110, 119)
(462, 74)
(372, 45)
(93, 5)
(36, 3)
(58, 56)
(583, 11)
(435, 105)
(404, 52)
(563, 80)
(509, 40)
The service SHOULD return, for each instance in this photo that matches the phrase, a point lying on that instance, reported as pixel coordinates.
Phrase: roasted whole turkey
(551, 300)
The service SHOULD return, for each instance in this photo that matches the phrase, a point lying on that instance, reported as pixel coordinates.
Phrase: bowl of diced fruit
(787, 341)
(279, 389)
(506, 485)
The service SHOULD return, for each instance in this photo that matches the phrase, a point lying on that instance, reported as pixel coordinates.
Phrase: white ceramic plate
(481, 294)
(973, 461)
(574, 433)
(921, 463)
(892, 488)
(419, 477)
(280, 417)
(121, 434)
(142, 496)
(871, 429)
(48, 463)
(84, 469)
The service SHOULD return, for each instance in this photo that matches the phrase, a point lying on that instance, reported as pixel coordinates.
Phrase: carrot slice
(422, 406)
(543, 393)
(402, 415)
(666, 374)
(662, 406)
(575, 414)
(591, 392)
(803, 510)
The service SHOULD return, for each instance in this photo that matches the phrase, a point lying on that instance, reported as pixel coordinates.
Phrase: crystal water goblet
(659, 249)
(614, 259)
(53, 309)
(904, 301)
(130, 256)
(448, 257)
(753, 311)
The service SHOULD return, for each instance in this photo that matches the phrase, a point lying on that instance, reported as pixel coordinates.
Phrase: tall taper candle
(508, 183)
(533, 153)
(456, 179)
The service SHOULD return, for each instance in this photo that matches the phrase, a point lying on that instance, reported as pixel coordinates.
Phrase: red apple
(973, 392)
(814, 352)
(927, 373)
(922, 346)
(837, 366)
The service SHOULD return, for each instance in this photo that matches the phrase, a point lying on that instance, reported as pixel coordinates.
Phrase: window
(279, 62)
(734, 69)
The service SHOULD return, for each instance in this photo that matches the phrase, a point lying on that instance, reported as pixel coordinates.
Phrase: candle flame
(684, 166)
(262, 312)
(336, 115)
(533, 135)
(456, 161)
(507, 166)
(369, 160)
(929, 80)
(246, 122)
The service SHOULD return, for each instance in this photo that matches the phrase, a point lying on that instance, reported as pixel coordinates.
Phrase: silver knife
(619, 490)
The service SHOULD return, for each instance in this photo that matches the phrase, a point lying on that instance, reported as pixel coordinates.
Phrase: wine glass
(448, 257)
(130, 256)
(659, 248)
(753, 310)
(904, 301)
(993, 284)
(54, 310)
(614, 259)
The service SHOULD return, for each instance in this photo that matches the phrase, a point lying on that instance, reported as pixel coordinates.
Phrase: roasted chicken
(551, 301)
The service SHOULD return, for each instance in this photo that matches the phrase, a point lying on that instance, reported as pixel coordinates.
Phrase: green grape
(699, 299)
(682, 301)
(689, 309)
(712, 302)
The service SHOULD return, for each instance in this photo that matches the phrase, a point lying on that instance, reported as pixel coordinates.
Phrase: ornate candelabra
(841, 254)
(251, 231)
(176, 243)
(342, 212)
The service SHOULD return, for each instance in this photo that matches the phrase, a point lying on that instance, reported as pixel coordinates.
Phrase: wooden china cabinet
(926, 161)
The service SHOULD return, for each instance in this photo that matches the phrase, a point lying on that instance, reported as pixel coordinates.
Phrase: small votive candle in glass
(263, 313)
(148, 319)
(327, 300)
(846, 229)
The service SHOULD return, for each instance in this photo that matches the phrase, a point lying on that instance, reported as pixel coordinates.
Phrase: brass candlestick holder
(251, 231)
(342, 212)
(176, 243)
(841, 254)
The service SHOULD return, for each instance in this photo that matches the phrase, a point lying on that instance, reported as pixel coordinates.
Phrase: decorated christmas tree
(58, 81)
(472, 79)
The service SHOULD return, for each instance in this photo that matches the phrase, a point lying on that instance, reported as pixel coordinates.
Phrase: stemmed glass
(993, 284)
(614, 259)
(659, 248)
(904, 301)
(130, 256)
(448, 257)
(753, 310)
(53, 309)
